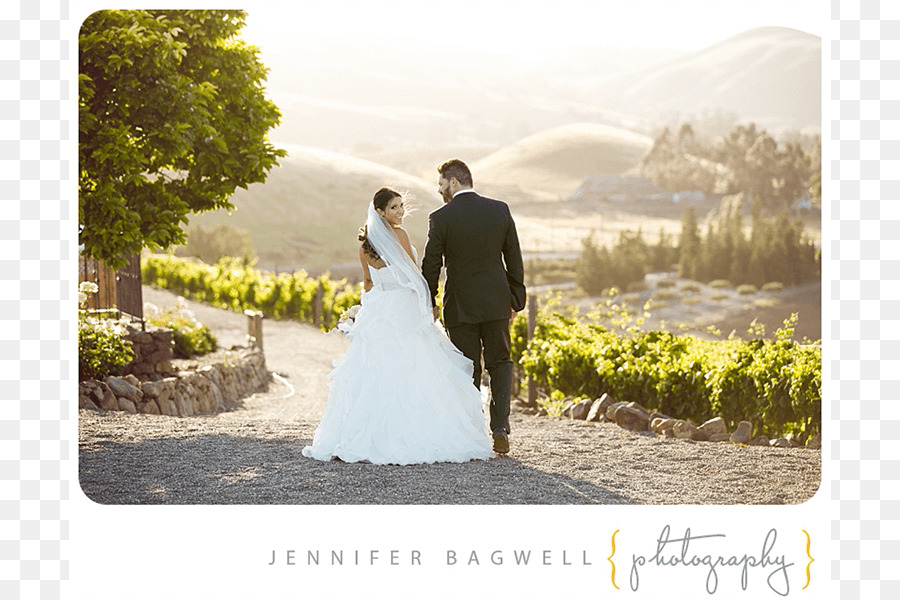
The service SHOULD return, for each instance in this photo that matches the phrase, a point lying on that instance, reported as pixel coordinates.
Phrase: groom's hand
(436, 313)
(512, 314)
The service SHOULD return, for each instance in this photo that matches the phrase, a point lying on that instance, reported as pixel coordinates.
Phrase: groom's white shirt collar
(465, 191)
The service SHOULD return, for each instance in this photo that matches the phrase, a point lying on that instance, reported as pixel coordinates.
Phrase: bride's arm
(367, 278)
(404, 241)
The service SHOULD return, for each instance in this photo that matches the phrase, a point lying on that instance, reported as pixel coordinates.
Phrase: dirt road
(252, 455)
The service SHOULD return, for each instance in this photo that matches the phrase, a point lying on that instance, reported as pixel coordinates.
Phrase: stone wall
(208, 390)
(152, 351)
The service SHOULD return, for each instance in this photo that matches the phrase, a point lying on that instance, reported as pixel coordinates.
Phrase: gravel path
(252, 455)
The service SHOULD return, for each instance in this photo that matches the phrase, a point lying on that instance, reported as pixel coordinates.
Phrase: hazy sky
(532, 27)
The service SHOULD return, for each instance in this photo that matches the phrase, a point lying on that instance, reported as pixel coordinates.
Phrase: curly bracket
(613, 541)
(811, 559)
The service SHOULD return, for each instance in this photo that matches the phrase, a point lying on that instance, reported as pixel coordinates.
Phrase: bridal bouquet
(345, 323)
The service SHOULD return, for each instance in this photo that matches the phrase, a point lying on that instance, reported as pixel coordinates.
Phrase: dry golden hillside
(548, 166)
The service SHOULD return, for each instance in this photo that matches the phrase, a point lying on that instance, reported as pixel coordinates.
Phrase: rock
(105, 397)
(714, 426)
(84, 401)
(167, 407)
(542, 412)
(158, 390)
(598, 408)
(658, 415)
(780, 443)
(580, 410)
(165, 367)
(185, 405)
(814, 442)
(122, 388)
(793, 441)
(127, 405)
(631, 418)
(130, 378)
(687, 431)
(743, 432)
(567, 407)
(668, 433)
(639, 408)
(759, 440)
(149, 408)
(720, 437)
(660, 425)
(611, 410)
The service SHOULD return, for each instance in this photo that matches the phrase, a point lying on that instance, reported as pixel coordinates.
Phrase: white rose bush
(102, 349)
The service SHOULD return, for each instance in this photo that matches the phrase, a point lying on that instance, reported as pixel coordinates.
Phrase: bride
(403, 393)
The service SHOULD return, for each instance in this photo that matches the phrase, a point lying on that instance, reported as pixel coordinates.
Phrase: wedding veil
(386, 244)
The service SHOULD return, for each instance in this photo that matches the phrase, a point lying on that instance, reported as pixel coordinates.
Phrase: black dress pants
(492, 339)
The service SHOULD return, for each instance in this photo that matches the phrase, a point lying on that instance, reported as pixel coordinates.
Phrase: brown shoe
(501, 441)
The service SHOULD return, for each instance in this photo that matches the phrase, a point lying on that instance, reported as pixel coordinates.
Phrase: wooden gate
(118, 291)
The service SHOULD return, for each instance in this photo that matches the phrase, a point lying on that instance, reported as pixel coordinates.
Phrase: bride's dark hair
(380, 201)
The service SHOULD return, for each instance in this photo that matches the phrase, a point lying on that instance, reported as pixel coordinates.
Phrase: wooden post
(318, 300)
(254, 328)
(532, 323)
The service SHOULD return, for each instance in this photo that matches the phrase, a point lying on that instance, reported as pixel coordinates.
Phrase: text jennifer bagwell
(315, 558)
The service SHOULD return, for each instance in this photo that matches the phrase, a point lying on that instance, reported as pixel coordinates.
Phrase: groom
(475, 239)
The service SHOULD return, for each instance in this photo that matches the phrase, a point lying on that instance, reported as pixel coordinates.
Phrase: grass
(665, 295)
(766, 302)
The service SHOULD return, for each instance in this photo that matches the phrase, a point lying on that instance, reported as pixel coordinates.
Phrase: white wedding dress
(403, 393)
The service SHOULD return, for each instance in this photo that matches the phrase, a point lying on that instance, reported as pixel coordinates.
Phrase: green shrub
(690, 286)
(718, 284)
(773, 286)
(102, 349)
(775, 384)
(746, 289)
(190, 337)
(690, 300)
(665, 295)
(236, 285)
(718, 297)
(665, 283)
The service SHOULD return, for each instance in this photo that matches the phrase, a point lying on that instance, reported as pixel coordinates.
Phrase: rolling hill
(548, 166)
(307, 213)
(770, 75)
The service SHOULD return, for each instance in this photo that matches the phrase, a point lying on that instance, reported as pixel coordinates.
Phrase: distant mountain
(307, 213)
(549, 165)
(377, 96)
(770, 75)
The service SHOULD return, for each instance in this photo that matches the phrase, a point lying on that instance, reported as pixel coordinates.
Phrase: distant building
(617, 188)
(689, 197)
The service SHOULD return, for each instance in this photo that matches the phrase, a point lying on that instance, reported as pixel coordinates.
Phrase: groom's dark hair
(458, 169)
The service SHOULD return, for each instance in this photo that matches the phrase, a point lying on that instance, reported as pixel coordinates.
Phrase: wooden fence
(118, 291)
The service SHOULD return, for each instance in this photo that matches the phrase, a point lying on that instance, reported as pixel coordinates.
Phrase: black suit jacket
(476, 239)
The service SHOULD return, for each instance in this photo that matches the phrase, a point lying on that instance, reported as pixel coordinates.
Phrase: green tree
(689, 244)
(210, 245)
(592, 271)
(172, 118)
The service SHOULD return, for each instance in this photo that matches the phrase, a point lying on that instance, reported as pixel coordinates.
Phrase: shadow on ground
(224, 469)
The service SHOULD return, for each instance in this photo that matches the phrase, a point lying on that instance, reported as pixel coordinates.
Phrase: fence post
(318, 300)
(254, 328)
(532, 323)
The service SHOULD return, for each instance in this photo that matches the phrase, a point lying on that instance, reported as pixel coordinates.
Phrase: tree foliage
(172, 118)
(213, 244)
(778, 249)
(746, 160)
